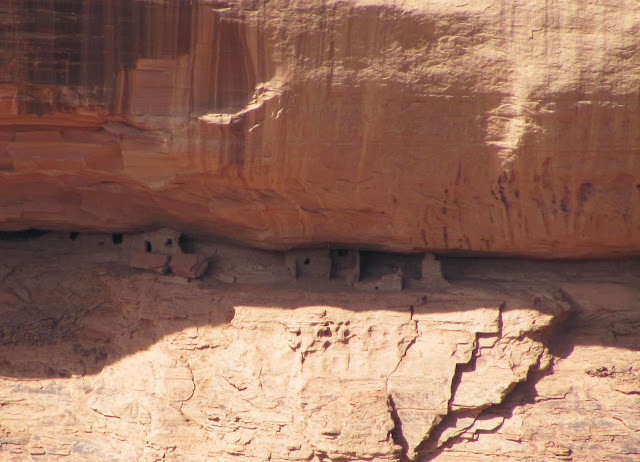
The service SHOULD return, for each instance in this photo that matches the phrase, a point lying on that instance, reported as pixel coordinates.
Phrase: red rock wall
(493, 126)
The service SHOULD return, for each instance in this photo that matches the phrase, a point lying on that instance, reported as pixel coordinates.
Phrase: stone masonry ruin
(168, 252)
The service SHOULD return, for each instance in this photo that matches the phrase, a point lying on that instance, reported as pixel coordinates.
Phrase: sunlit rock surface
(486, 126)
(513, 360)
(327, 134)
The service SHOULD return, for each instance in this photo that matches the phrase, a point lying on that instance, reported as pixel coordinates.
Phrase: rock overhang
(425, 128)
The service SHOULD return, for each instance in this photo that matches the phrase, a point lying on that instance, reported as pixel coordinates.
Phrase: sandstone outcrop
(485, 126)
(101, 362)
(262, 213)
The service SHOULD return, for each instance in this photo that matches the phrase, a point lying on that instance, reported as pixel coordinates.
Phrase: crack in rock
(396, 433)
(467, 422)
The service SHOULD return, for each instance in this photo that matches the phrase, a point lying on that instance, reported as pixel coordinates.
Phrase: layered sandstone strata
(503, 127)
(485, 126)
(514, 361)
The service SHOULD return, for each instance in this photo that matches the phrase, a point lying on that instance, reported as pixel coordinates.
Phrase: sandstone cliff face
(489, 126)
(481, 127)
(99, 361)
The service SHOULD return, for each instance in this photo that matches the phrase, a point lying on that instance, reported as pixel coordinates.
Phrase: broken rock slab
(156, 262)
(191, 266)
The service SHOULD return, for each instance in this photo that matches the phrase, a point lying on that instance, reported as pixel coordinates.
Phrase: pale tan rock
(490, 126)
(577, 411)
(262, 372)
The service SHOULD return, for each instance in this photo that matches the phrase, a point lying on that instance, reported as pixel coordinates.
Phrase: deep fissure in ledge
(396, 432)
(524, 392)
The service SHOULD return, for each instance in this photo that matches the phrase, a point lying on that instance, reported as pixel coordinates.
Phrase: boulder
(191, 266)
(150, 261)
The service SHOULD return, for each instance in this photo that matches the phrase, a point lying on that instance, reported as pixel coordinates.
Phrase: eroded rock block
(190, 266)
(156, 262)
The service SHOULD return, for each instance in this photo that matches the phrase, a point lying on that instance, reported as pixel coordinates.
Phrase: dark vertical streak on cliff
(86, 45)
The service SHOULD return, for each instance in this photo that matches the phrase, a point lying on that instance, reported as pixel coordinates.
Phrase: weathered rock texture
(484, 126)
(99, 361)
(507, 127)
